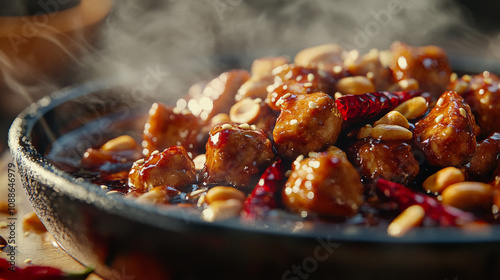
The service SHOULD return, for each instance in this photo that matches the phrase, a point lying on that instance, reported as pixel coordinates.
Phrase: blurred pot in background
(41, 43)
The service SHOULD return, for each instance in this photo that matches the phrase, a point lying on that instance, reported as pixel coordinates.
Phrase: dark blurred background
(141, 34)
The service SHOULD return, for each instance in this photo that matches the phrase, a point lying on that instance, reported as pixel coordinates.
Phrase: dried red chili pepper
(36, 272)
(360, 107)
(404, 197)
(263, 197)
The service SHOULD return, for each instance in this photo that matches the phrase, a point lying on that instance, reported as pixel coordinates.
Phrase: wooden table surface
(35, 248)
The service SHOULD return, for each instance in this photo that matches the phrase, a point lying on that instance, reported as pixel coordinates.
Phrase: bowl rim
(24, 153)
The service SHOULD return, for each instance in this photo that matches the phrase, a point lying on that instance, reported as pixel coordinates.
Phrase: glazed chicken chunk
(236, 153)
(326, 184)
(482, 93)
(391, 160)
(217, 96)
(428, 65)
(298, 80)
(485, 160)
(168, 126)
(447, 134)
(171, 167)
(307, 123)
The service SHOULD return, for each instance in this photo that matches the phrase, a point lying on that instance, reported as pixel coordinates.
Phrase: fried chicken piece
(428, 65)
(236, 153)
(218, 95)
(391, 160)
(447, 134)
(485, 160)
(482, 93)
(168, 126)
(307, 123)
(298, 80)
(171, 167)
(326, 184)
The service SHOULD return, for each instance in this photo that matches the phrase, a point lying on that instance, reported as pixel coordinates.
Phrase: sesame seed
(111, 192)
(279, 102)
(370, 75)
(310, 77)
(26, 234)
(440, 102)
(140, 161)
(79, 180)
(453, 77)
(257, 100)
(463, 112)
(190, 155)
(322, 73)
(197, 192)
(253, 127)
(439, 118)
(286, 95)
(285, 87)
(488, 81)
(313, 154)
(466, 78)
(313, 105)
(337, 69)
(176, 111)
(299, 158)
(308, 84)
(294, 122)
(155, 152)
(186, 112)
(27, 261)
(244, 126)
(201, 200)
(270, 88)
(104, 187)
(299, 77)
(262, 182)
(226, 126)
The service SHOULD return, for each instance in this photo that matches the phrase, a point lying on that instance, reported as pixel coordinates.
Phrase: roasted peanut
(394, 118)
(365, 132)
(245, 111)
(199, 161)
(329, 53)
(222, 117)
(468, 195)
(156, 195)
(412, 108)
(445, 177)
(404, 85)
(222, 209)
(224, 193)
(355, 85)
(411, 217)
(263, 67)
(31, 223)
(391, 132)
(120, 143)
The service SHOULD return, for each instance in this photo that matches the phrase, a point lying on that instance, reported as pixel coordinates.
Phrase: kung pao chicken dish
(391, 138)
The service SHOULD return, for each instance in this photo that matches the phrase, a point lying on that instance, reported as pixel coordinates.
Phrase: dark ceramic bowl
(126, 240)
